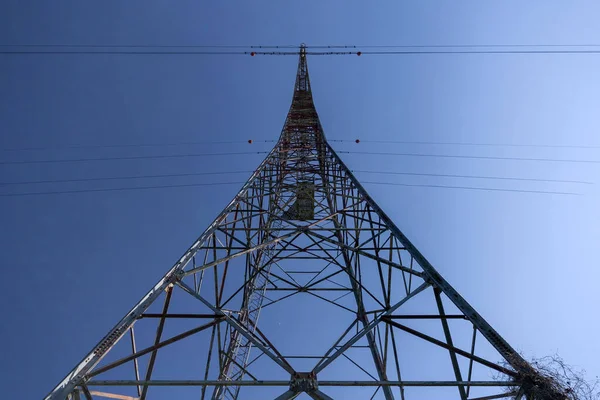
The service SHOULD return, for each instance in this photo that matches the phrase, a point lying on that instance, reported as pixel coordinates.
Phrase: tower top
(302, 124)
(302, 80)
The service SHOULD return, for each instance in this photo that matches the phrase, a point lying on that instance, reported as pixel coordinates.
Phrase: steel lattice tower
(365, 314)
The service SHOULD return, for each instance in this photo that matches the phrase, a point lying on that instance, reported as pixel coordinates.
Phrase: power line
(465, 143)
(163, 156)
(119, 189)
(74, 160)
(418, 49)
(104, 52)
(99, 146)
(443, 52)
(472, 188)
(409, 52)
(472, 157)
(173, 52)
(446, 46)
(473, 177)
(133, 188)
(291, 46)
(149, 46)
(211, 142)
(426, 52)
(294, 53)
(110, 178)
(132, 177)
(130, 158)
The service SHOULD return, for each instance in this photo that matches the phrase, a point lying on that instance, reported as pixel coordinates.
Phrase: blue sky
(74, 264)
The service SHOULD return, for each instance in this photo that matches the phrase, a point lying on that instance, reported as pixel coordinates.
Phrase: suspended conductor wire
(133, 177)
(176, 52)
(101, 146)
(418, 52)
(506, 178)
(295, 53)
(120, 189)
(410, 52)
(133, 188)
(294, 46)
(193, 143)
(473, 157)
(422, 49)
(149, 46)
(111, 178)
(147, 52)
(465, 143)
(447, 46)
(165, 156)
(471, 188)
(75, 160)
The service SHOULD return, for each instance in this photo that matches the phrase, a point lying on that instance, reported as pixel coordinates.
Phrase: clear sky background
(73, 264)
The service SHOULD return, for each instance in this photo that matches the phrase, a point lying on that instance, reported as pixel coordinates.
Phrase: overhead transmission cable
(291, 49)
(100, 146)
(295, 53)
(189, 155)
(506, 178)
(75, 160)
(193, 143)
(482, 144)
(119, 189)
(293, 46)
(133, 188)
(133, 177)
(151, 46)
(471, 188)
(471, 157)
(436, 46)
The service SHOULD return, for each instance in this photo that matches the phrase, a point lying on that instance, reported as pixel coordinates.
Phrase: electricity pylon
(365, 315)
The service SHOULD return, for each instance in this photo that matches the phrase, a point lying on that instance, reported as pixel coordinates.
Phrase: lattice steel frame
(301, 203)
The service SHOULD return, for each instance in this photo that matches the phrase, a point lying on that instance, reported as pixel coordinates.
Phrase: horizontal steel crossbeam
(286, 383)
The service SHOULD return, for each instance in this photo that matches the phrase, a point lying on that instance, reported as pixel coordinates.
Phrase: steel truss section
(301, 233)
